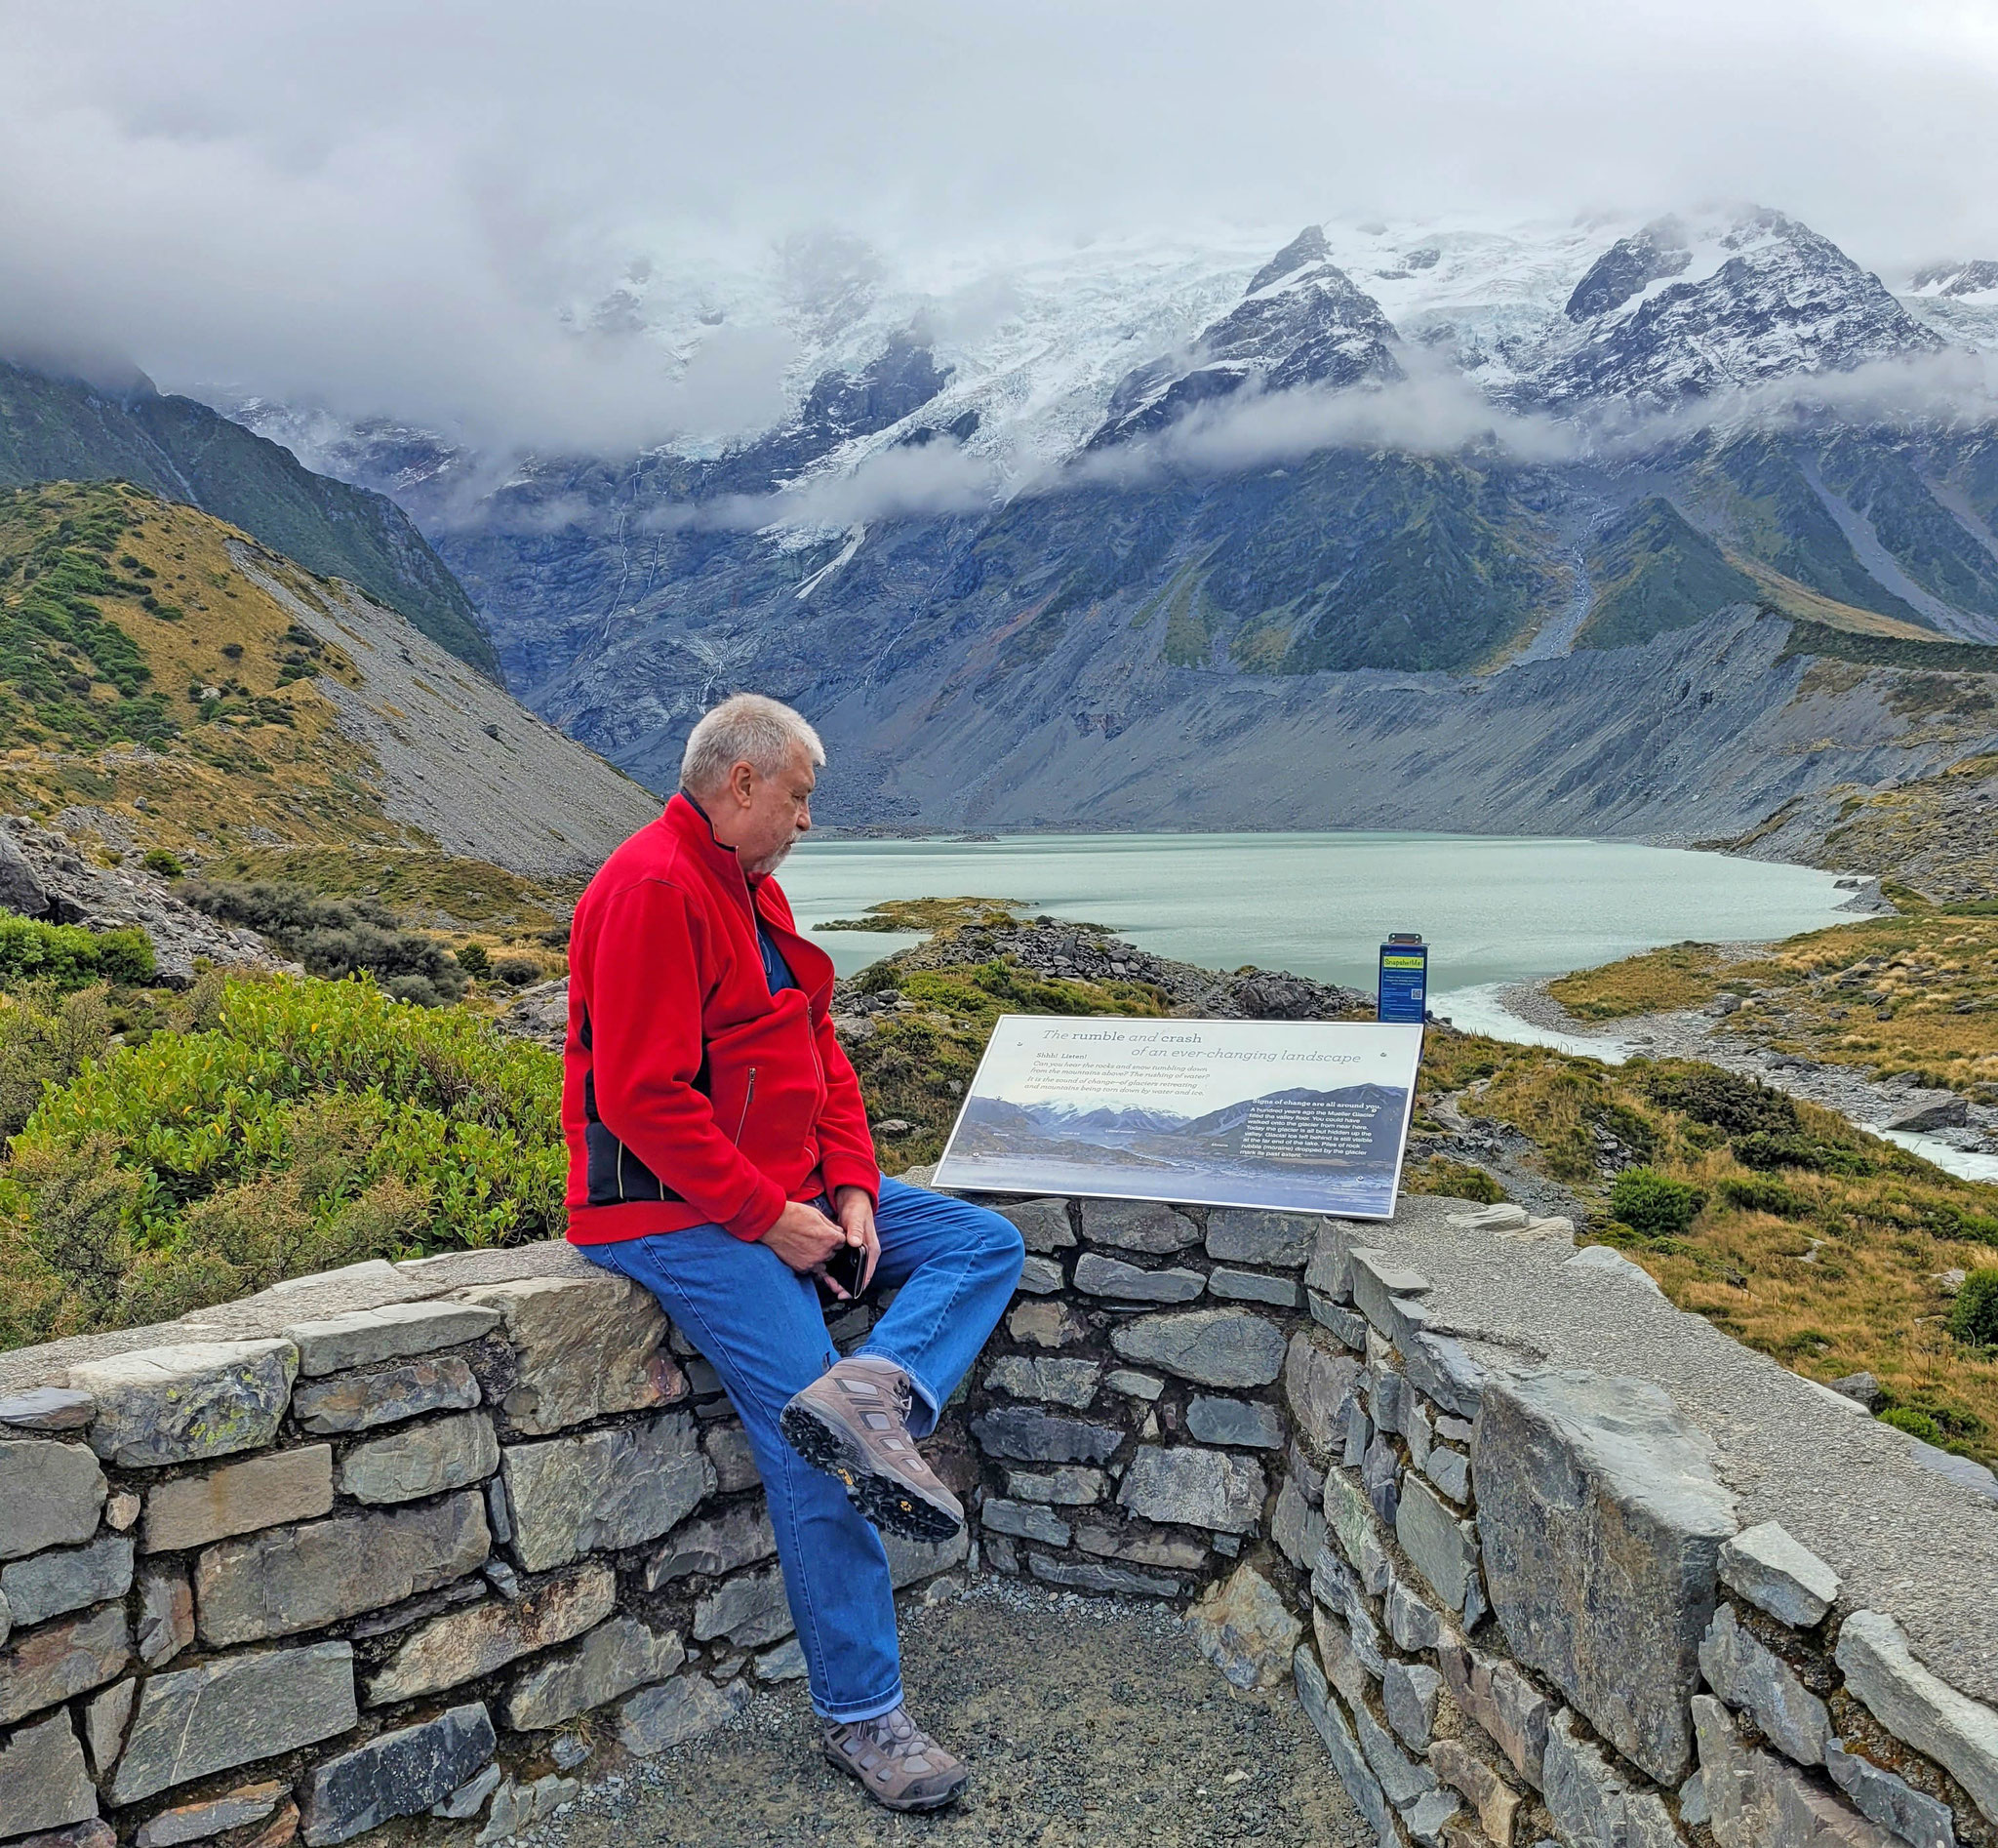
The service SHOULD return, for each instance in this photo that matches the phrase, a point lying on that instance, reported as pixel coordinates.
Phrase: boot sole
(893, 1507)
(906, 1807)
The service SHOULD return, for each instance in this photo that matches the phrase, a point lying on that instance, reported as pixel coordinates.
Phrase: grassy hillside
(59, 429)
(1654, 572)
(1914, 993)
(143, 677)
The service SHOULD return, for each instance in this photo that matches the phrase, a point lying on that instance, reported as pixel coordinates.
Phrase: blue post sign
(1404, 979)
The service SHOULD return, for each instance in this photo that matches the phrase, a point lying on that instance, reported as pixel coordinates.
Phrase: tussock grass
(1832, 1269)
(1680, 976)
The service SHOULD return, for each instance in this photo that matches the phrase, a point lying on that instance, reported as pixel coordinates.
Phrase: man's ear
(742, 782)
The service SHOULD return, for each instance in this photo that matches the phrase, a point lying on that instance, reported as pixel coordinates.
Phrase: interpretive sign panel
(1300, 1115)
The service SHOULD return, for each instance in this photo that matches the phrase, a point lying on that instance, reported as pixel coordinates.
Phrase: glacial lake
(1492, 911)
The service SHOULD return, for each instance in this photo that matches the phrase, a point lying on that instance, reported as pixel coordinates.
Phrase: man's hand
(804, 1237)
(857, 1215)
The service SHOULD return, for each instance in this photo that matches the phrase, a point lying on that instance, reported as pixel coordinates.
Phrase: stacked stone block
(283, 1573)
(374, 1564)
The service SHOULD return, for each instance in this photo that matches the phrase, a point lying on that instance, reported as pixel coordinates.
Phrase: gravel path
(1087, 1722)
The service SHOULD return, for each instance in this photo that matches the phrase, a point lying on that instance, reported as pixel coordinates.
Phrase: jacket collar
(687, 821)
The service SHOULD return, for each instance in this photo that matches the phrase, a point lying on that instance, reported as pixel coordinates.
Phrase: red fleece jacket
(691, 1095)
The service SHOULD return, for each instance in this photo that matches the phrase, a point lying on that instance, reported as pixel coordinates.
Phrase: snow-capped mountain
(1685, 311)
(1019, 499)
(1300, 323)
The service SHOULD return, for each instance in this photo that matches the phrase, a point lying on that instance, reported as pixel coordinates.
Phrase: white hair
(745, 728)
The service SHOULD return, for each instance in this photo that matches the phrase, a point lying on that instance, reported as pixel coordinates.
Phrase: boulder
(181, 1404)
(1949, 1113)
(583, 1347)
(1198, 1488)
(1919, 1708)
(462, 1645)
(1602, 1521)
(608, 1489)
(360, 1401)
(232, 1711)
(424, 1459)
(71, 1656)
(1026, 1435)
(51, 1495)
(657, 1718)
(401, 1773)
(1097, 1275)
(239, 1498)
(1143, 1225)
(44, 1783)
(1040, 1276)
(1755, 1800)
(395, 1331)
(291, 1578)
(1746, 1673)
(51, 1582)
(1245, 1629)
(1214, 1347)
(21, 891)
(617, 1656)
(1776, 1575)
(1249, 1236)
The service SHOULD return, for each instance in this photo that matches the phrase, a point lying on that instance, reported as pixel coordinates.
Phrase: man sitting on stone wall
(720, 1155)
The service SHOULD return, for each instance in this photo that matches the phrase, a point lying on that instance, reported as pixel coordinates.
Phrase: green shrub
(167, 866)
(1654, 1205)
(1767, 1149)
(67, 957)
(338, 1086)
(474, 961)
(1761, 1195)
(517, 972)
(1734, 1105)
(337, 937)
(1904, 1417)
(1974, 1315)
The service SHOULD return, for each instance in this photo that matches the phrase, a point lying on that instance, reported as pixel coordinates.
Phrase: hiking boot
(852, 1422)
(898, 1764)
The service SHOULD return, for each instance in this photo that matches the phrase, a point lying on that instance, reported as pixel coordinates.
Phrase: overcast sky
(385, 208)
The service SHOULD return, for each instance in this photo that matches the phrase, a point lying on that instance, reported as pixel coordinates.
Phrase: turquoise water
(1492, 911)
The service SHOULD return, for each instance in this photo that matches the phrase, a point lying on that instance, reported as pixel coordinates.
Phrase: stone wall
(1530, 1545)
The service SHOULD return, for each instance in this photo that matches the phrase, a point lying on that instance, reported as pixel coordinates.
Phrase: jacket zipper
(748, 1098)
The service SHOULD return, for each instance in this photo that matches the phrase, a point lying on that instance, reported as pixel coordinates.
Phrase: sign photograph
(1295, 1115)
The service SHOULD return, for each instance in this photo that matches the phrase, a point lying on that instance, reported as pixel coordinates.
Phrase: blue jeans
(759, 1325)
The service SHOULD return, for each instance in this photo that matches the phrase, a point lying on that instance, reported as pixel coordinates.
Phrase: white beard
(769, 863)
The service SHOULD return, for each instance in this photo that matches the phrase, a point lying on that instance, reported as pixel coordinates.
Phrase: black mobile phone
(844, 1267)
